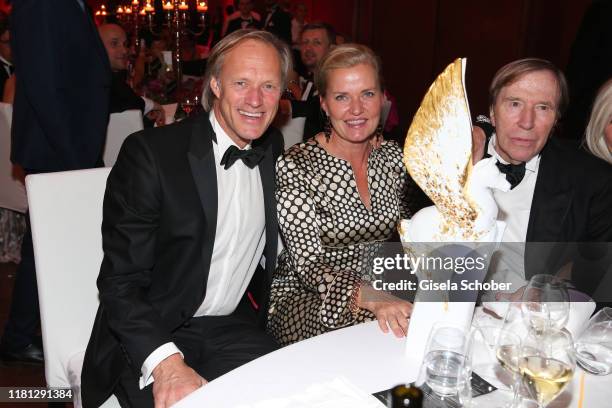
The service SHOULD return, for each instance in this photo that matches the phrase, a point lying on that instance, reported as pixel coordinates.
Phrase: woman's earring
(327, 128)
(379, 131)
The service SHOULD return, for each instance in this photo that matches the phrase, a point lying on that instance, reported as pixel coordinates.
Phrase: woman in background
(598, 135)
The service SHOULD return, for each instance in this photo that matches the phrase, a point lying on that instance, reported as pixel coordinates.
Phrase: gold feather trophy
(438, 156)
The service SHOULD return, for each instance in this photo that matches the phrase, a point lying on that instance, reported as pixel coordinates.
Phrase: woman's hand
(390, 311)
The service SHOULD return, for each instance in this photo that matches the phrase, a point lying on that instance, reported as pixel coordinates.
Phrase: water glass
(445, 360)
(594, 346)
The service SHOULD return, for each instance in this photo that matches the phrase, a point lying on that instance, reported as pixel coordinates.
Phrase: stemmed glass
(503, 348)
(545, 303)
(546, 364)
(594, 346)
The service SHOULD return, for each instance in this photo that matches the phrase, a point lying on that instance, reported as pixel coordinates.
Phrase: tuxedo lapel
(202, 162)
(266, 171)
(551, 202)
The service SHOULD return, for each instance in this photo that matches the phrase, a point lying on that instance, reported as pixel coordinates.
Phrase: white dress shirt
(239, 242)
(514, 208)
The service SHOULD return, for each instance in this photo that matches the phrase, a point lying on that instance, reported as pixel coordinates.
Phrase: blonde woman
(598, 135)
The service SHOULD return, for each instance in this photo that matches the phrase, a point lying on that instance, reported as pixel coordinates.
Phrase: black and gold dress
(329, 235)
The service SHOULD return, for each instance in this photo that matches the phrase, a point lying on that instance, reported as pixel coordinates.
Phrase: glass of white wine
(545, 303)
(546, 364)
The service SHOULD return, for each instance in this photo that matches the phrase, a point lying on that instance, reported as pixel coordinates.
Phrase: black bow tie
(514, 172)
(250, 157)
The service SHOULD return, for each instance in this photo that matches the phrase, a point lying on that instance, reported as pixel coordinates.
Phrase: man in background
(122, 96)
(60, 117)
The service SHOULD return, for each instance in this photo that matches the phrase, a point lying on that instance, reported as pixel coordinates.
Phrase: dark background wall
(416, 39)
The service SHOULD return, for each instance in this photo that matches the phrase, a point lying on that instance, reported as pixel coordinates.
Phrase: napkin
(336, 393)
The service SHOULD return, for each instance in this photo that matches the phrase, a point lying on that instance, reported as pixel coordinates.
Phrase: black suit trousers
(211, 345)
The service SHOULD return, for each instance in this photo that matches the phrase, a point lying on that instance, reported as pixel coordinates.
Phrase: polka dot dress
(330, 235)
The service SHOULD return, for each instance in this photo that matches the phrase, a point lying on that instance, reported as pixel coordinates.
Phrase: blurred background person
(598, 135)
(122, 96)
(278, 21)
(245, 17)
(60, 117)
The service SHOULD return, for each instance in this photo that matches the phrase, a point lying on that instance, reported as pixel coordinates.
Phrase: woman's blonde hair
(601, 115)
(345, 56)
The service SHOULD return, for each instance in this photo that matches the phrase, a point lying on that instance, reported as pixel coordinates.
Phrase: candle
(202, 7)
(168, 6)
(135, 3)
(119, 10)
(143, 12)
(183, 6)
(128, 10)
(149, 8)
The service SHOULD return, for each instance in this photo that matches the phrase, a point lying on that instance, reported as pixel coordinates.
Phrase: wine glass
(500, 361)
(545, 303)
(594, 346)
(546, 364)
(188, 105)
(445, 359)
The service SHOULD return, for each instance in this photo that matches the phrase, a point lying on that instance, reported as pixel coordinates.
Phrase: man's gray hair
(227, 44)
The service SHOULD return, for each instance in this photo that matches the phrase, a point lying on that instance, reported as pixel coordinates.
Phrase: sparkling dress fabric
(330, 236)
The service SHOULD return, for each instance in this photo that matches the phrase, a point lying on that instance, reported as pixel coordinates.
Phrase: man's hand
(391, 312)
(157, 115)
(174, 380)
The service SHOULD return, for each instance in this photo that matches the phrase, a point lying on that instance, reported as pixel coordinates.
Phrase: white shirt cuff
(149, 105)
(161, 353)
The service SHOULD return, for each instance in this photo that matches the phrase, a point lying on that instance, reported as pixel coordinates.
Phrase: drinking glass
(188, 105)
(545, 303)
(594, 346)
(495, 354)
(445, 359)
(546, 364)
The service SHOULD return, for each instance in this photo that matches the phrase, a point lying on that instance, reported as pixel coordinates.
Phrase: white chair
(66, 218)
(120, 126)
(12, 190)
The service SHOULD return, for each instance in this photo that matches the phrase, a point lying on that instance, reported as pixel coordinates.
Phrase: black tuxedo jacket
(60, 112)
(122, 97)
(571, 216)
(279, 24)
(159, 223)
(572, 200)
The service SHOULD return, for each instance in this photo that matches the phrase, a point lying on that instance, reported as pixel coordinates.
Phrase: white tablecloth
(369, 359)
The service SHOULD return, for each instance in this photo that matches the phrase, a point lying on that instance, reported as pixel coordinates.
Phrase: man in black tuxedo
(278, 21)
(60, 117)
(559, 194)
(189, 211)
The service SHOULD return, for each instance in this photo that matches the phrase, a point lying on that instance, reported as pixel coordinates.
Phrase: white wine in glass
(545, 378)
(546, 364)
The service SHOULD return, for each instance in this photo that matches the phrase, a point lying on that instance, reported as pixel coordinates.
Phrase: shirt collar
(531, 165)
(223, 140)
